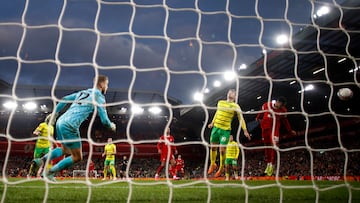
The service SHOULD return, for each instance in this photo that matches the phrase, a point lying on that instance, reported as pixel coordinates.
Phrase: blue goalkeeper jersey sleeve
(82, 106)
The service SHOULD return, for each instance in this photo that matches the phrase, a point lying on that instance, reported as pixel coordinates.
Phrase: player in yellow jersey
(232, 154)
(221, 129)
(109, 163)
(44, 131)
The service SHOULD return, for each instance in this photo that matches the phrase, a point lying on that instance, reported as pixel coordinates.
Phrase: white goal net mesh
(169, 62)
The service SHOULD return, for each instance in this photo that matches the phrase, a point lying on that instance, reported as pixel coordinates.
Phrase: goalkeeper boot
(270, 170)
(212, 168)
(49, 175)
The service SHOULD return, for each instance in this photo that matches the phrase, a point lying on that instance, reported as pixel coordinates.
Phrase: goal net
(169, 63)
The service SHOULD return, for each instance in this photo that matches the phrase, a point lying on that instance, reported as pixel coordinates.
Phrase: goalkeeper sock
(213, 154)
(68, 161)
(57, 152)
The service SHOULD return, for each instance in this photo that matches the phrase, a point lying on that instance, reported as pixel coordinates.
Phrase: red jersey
(163, 146)
(267, 118)
(91, 166)
(180, 164)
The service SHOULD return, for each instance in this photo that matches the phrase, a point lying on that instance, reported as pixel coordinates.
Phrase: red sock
(267, 155)
(272, 156)
(159, 169)
(172, 171)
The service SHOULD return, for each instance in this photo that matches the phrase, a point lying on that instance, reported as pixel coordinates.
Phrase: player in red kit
(270, 110)
(164, 145)
(179, 168)
(92, 171)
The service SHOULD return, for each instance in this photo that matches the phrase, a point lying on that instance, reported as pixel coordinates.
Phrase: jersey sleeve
(260, 115)
(160, 143)
(99, 98)
(173, 147)
(214, 118)
(40, 127)
(62, 104)
(237, 151)
(241, 117)
(285, 121)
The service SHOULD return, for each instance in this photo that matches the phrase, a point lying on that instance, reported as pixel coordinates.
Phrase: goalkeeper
(43, 144)
(67, 126)
(221, 128)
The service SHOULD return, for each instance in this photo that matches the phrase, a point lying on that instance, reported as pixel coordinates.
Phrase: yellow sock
(105, 172)
(227, 175)
(213, 154)
(31, 169)
(113, 170)
(222, 160)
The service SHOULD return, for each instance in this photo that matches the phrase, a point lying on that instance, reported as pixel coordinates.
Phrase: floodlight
(10, 105)
(217, 83)
(29, 106)
(155, 110)
(137, 109)
(282, 39)
(229, 75)
(198, 96)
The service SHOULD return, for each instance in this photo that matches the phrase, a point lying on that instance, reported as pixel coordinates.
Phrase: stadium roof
(325, 56)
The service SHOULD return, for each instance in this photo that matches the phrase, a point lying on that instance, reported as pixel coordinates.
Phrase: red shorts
(179, 168)
(268, 138)
(163, 156)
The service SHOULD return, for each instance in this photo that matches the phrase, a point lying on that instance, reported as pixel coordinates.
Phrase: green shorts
(109, 162)
(219, 136)
(229, 161)
(39, 152)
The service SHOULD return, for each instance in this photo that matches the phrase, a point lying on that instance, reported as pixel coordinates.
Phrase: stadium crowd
(292, 163)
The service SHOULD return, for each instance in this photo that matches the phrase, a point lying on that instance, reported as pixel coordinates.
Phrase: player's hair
(100, 79)
(48, 120)
(282, 100)
(233, 90)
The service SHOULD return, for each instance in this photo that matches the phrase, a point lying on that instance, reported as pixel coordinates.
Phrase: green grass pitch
(69, 190)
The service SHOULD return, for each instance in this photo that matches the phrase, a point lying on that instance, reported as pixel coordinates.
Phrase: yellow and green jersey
(110, 150)
(225, 113)
(45, 131)
(232, 150)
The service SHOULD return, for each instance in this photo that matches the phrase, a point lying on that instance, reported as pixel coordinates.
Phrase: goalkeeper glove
(113, 126)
